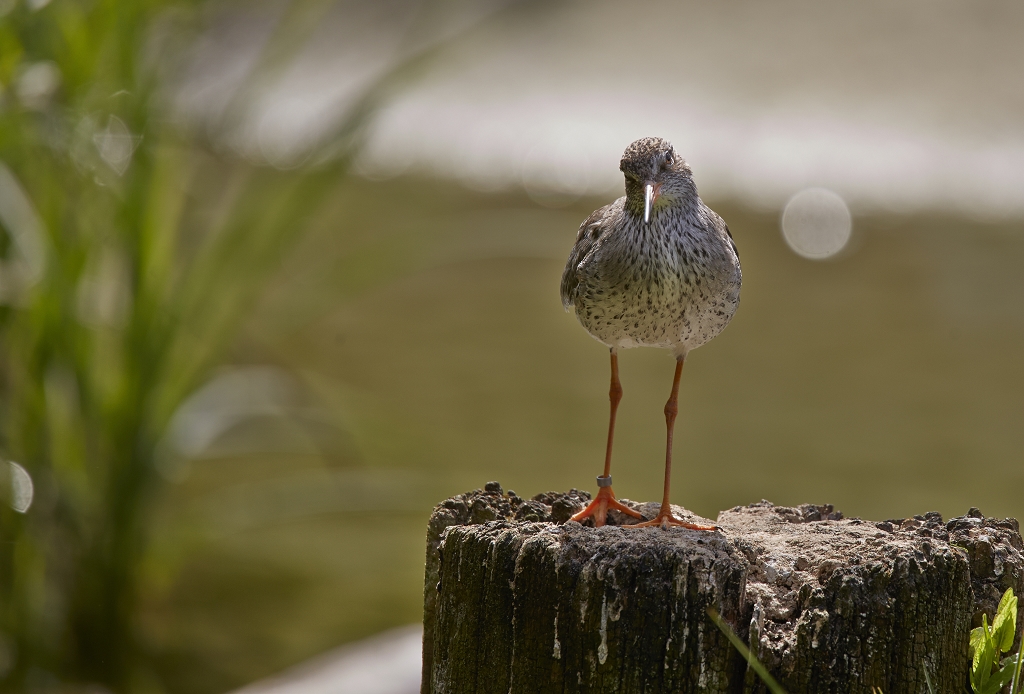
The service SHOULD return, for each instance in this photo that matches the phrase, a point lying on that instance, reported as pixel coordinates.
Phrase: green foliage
(988, 674)
(129, 254)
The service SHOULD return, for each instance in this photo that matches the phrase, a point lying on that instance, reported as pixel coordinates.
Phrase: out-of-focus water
(899, 357)
(424, 323)
(896, 106)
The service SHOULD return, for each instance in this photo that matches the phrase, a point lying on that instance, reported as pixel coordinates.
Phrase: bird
(655, 268)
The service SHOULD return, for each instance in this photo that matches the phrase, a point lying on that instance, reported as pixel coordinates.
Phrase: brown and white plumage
(656, 268)
(672, 282)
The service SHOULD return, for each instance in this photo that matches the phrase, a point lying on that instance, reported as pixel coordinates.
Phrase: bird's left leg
(605, 499)
(665, 517)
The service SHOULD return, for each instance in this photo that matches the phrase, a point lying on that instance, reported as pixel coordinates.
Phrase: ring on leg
(602, 503)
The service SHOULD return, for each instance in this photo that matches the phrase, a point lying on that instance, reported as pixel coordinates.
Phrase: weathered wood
(519, 600)
(842, 606)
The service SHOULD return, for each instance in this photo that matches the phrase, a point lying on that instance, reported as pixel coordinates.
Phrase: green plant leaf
(985, 654)
(977, 639)
(1004, 625)
(1001, 677)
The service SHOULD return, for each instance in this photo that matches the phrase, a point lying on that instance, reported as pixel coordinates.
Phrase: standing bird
(656, 268)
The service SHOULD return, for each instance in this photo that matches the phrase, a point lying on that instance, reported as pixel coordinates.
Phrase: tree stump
(517, 599)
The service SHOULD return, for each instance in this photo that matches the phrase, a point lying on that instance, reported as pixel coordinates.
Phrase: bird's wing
(593, 229)
(731, 242)
(721, 226)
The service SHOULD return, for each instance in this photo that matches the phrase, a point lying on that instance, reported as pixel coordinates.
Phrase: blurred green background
(240, 375)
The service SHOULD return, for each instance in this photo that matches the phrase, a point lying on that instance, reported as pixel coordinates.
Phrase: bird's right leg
(605, 499)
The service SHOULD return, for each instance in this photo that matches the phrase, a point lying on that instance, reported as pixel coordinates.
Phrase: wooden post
(518, 600)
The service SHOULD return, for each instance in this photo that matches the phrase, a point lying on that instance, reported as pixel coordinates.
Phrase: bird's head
(656, 176)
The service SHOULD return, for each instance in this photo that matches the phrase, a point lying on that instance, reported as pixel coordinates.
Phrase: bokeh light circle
(816, 223)
(22, 490)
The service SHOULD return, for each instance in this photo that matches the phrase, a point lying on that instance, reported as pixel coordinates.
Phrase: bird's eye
(668, 157)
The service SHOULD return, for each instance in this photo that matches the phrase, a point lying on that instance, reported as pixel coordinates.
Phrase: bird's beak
(651, 192)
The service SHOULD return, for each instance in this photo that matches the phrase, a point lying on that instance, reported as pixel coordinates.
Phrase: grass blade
(753, 662)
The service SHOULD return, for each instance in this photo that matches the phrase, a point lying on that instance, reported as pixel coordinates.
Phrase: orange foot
(665, 519)
(598, 508)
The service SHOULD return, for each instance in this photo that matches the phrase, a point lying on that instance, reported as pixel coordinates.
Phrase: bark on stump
(518, 600)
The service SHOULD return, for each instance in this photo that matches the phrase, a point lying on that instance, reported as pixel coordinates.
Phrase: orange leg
(605, 499)
(665, 517)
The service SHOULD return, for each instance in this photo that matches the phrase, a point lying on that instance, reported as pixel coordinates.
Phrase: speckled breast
(664, 290)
